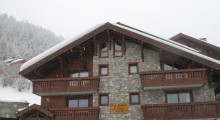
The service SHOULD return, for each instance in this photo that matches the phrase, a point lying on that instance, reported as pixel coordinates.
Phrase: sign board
(119, 108)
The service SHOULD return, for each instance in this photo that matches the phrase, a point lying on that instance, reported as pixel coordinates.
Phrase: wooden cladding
(63, 85)
(181, 111)
(166, 78)
(89, 113)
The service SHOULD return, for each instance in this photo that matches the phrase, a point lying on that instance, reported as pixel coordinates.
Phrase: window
(103, 70)
(169, 67)
(132, 68)
(178, 97)
(103, 50)
(103, 100)
(118, 49)
(80, 74)
(80, 101)
(134, 98)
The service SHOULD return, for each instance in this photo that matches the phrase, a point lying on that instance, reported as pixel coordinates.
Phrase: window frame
(100, 99)
(118, 50)
(103, 66)
(179, 92)
(78, 98)
(78, 72)
(130, 98)
(100, 50)
(132, 64)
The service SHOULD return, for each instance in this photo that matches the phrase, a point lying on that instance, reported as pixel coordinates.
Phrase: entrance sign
(119, 108)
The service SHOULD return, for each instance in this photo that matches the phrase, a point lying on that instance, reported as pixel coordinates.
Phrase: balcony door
(80, 101)
(178, 97)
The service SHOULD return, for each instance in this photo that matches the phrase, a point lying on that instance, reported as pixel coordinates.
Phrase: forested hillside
(20, 39)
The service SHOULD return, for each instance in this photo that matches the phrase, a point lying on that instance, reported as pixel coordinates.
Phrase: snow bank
(9, 94)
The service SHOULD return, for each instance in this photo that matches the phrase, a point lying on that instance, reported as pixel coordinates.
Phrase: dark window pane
(184, 97)
(118, 46)
(74, 75)
(167, 67)
(73, 103)
(104, 100)
(104, 47)
(84, 74)
(83, 103)
(104, 50)
(172, 98)
(134, 99)
(133, 68)
(104, 71)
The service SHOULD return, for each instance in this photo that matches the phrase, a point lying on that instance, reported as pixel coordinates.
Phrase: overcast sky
(164, 18)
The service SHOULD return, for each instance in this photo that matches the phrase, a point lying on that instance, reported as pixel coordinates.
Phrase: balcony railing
(65, 85)
(181, 111)
(76, 113)
(172, 78)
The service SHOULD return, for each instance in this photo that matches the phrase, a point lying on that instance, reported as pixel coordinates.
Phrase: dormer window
(118, 49)
(103, 50)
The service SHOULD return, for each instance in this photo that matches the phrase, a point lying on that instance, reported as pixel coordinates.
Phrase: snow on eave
(172, 44)
(56, 48)
(8, 60)
(17, 60)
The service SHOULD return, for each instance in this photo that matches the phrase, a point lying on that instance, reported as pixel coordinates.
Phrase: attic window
(104, 50)
(118, 49)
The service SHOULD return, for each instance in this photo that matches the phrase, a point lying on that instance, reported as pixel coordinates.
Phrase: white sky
(164, 18)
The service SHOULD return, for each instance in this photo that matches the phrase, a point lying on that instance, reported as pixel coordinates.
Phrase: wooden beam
(95, 45)
(109, 39)
(142, 51)
(161, 59)
(61, 62)
(124, 44)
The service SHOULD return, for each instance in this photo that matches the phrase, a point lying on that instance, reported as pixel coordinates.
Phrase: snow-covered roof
(168, 42)
(172, 44)
(56, 48)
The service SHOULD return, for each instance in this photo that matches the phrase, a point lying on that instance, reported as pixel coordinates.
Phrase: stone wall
(203, 94)
(119, 83)
(8, 109)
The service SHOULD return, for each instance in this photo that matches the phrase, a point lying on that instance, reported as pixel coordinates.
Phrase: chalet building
(117, 72)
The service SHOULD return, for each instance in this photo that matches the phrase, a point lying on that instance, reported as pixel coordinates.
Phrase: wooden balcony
(63, 86)
(181, 111)
(163, 79)
(76, 113)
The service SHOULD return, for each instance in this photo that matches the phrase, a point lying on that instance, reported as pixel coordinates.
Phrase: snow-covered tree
(20, 39)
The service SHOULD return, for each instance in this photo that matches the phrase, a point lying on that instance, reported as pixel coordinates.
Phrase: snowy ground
(9, 94)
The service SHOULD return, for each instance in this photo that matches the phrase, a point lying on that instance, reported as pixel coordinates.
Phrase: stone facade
(8, 109)
(118, 84)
